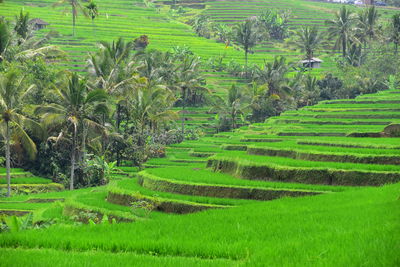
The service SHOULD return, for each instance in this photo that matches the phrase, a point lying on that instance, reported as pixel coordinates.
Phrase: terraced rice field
(130, 19)
(331, 192)
(127, 19)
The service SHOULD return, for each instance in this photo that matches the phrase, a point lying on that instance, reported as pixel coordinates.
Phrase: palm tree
(273, 76)
(309, 40)
(32, 47)
(93, 11)
(233, 106)
(149, 104)
(75, 8)
(367, 24)
(341, 28)
(75, 109)
(394, 32)
(189, 83)
(13, 122)
(5, 38)
(22, 24)
(109, 70)
(247, 35)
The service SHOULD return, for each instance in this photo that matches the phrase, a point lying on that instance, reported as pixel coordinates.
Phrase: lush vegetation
(199, 133)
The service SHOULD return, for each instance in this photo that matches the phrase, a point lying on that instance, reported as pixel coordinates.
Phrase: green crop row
(256, 233)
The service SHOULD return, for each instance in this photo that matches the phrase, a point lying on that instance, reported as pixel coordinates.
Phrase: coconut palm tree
(309, 40)
(22, 24)
(233, 107)
(76, 7)
(14, 48)
(149, 105)
(341, 28)
(5, 38)
(367, 24)
(189, 83)
(74, 110)
(93, 11)
(247, 35)
(394, 31)
(13, 122)
(273, 76)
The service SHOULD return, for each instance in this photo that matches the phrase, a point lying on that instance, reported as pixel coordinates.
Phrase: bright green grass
(206, 176)
(357, 228)
(51, 257)
(27, 180)
(13, 170)
(132, 186)
(293, 145)
(243, 158)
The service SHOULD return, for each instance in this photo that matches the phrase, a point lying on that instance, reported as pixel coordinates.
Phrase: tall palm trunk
(71, 180)
(233, 116)
(183, 109)
(344, 46)
(84, 135)
(8, 159)
(118, 122)
(94, 32)
(246, 56)
(73, 21)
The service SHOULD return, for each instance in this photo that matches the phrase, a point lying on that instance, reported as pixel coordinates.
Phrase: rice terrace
(200, 133)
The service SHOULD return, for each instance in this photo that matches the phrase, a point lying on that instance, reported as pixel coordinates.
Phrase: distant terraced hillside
(130, 19)
(127, 19)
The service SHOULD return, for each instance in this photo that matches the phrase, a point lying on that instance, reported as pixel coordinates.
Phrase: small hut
(38, 24)
(313, 63)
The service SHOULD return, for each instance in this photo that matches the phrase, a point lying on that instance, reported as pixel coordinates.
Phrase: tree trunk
(84, 134)
(118, 122)
(71, 180)
(233, 120)
(73, 24)
(8, 160)
(344, 47)
(245, 57)
(183, 110)
(94, 31)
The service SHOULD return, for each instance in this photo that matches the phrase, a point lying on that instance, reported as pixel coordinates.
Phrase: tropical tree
(309, 39)
(13, 122)
(148, 105)
(367, 24)
(394, 31)
(76, 7)
(273, 76)
(22, 24)
(247, 35)
(223, 33)
(201, 25)
(232, 107)
(189, 83)
(74, 110)
(13, 48)
(310, 93)
(5, 38)
(341, 28)
(275, 22)
(93, 11)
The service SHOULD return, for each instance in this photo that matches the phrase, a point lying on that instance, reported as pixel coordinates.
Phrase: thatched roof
(38, 21)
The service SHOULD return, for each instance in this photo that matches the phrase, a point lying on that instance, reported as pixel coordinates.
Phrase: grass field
(331, 195)
(318, 186)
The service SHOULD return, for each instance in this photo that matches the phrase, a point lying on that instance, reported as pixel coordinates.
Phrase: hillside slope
(333, 202)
